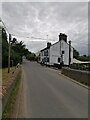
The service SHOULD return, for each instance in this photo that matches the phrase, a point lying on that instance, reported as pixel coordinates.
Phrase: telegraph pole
(69, 53)
(9, 53)
(47, 51)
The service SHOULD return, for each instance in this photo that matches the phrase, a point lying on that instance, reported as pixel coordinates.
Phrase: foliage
(84, 58)
(11, 101)
(81, 58)
(4, 48)
(75, 53)
(31, 57)
(18, 50)
(80, 67)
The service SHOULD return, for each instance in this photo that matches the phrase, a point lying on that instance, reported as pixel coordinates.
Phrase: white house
(59, 53)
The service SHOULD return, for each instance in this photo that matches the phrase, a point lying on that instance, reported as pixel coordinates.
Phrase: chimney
(63, 36)
(48, 45)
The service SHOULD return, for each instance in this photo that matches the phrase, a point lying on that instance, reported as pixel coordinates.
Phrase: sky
(39, 19)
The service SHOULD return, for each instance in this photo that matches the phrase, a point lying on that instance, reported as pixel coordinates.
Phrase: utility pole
(47, 38)
(9, 53)
(47, 51)
(69, 53)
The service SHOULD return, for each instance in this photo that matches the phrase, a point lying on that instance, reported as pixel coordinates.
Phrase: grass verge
(7, 76)
(12, 98)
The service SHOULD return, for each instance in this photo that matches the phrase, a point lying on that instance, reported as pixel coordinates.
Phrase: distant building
(59, 53)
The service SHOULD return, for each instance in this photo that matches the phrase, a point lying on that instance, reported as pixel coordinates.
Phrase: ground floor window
(48, 59)
(59, 60)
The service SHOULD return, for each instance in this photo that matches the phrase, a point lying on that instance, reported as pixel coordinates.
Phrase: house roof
(44, 49)
(53, 44)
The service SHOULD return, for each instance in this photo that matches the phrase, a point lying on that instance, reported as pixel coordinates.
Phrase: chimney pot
(63, 36)
(48, 44)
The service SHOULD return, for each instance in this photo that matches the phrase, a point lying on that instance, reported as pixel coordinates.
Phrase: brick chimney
(48, 45)
(63, 36)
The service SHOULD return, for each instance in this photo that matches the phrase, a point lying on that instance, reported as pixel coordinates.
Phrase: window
(42, 54)
(47, 59)
(46, 53)
(63, 52)
(59, 60)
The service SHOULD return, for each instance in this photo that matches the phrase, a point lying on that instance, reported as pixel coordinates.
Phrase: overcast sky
(40, 19)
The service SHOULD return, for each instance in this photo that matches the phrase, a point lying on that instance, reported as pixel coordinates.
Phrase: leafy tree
(14, 41)
(4, 49)
(18, 50)
(31, 57)
(75, 53)
(84, 58)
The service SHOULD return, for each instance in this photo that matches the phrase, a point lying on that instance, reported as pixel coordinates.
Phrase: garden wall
(78, 75)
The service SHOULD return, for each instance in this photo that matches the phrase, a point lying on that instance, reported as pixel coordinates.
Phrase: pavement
(49, 94)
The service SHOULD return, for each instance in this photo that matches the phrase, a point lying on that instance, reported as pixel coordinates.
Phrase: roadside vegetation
(77, 55)
(5, 75)
(9, 106)
(8, 78)
(32, 57)
(82, 58)
(17, 51)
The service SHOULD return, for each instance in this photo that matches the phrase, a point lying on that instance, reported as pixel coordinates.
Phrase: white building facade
(60, 53)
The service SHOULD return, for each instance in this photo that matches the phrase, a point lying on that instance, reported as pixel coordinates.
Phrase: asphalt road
(51, 95)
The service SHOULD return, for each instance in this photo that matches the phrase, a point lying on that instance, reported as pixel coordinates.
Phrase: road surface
(48, 94)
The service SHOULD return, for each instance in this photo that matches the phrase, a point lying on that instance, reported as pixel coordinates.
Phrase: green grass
(12, 98)
(0, 77)
(5, 75)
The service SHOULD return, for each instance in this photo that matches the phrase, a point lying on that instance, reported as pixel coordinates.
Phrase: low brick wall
(78, 75)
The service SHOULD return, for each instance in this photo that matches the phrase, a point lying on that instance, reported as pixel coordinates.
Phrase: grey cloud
(41, 18)
(36, 46)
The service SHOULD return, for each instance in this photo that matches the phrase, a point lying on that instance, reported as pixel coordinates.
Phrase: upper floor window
(46, 53)
(42, 54)
(63, 52)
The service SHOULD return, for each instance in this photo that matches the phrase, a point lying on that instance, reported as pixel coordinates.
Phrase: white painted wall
(55, 52)
(42, 56)
(65, 48)
(71, 55)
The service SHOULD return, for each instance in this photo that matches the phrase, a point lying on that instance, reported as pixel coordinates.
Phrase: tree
(4, 49)
(84, 58)
(18, 50)
(14, 41)
(31, 57)
(75, 53)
